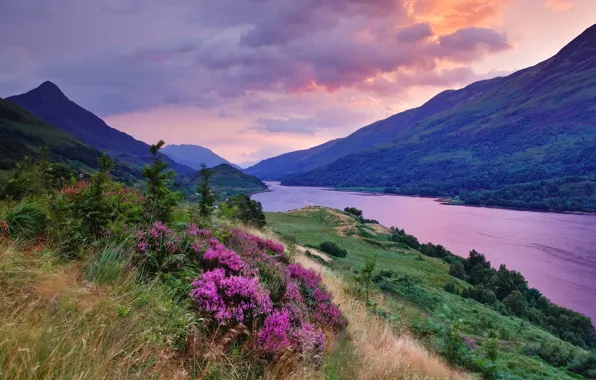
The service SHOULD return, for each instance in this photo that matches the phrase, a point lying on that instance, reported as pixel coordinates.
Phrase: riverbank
(553, 251)
(409, 290)
(447, 201)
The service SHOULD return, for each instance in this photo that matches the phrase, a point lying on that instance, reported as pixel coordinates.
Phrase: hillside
(23, 134)
(226, 181)
(519, 141)
(194, 156)
(49, 103)
(413, 287)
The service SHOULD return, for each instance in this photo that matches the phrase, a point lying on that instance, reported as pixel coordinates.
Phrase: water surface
(555, 252)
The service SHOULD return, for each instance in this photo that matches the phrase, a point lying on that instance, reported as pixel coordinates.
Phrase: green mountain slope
(49, 103)
(22, 134)
(225, 182)
(529, 135)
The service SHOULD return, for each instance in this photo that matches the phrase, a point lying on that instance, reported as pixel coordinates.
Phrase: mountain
(226, 181)
(194, 156)
(526, 140)
(22, 134)
(49, 103)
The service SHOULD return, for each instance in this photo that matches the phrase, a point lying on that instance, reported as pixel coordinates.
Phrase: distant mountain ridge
(534, 125)
(194, 156)
(49, 103)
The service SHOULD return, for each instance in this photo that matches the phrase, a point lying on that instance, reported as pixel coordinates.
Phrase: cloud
(468, 44)
(294, 125)
(299, 72)
(415, 32)
(560, 5)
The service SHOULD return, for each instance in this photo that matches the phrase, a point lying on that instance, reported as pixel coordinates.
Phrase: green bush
(554, 353)
(333, 249)
(456, 269)
(585, 365)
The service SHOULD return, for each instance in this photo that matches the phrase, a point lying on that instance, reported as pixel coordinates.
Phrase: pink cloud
(560, 5)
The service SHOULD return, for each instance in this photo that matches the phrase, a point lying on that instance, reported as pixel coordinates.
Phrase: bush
(450, 287)
(456, 269)
(333, 249)
(354, 211)
(585, 365)
(553, 353)
(400, 236)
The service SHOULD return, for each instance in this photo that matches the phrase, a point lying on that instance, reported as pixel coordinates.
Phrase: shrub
(316, 297)
(585, 365)
(400, 236)
(333, 249)
(354, 211)
(160, 249)
(230, 298)
(450, 287)
(275, 335)
(553, 353)
(456, 269)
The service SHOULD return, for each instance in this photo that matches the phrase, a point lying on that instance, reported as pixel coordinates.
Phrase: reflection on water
(555, 252)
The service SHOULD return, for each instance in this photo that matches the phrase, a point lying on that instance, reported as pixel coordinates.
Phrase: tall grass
(24, 220)
(379, 352)
(55, 325)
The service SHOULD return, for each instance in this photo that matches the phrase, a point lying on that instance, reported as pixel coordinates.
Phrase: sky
(251, 79)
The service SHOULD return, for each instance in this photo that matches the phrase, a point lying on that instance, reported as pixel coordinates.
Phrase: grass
(375, 350)
(313, 225)
(56, 324)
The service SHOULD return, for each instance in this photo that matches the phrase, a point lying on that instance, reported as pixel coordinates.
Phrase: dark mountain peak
(582, 46)
(48, 90)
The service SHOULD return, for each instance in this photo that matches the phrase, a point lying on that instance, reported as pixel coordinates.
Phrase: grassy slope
(226, 181)
(312, 226)
(83, 320)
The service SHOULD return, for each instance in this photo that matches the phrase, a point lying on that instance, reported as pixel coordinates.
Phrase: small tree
(159, 198)
(247, 210)
(97, 210)
(491, 348)
(365, 277)
(207, 199)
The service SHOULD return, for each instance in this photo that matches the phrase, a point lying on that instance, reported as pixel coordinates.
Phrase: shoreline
(450, 202)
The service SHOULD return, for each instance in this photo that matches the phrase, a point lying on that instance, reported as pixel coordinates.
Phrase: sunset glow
(252, 79)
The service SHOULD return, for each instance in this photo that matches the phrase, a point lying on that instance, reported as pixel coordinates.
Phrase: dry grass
(380, 352)
(54, 325)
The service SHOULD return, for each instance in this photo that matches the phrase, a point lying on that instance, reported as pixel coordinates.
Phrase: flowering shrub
(251, 245)
(319, 301)
(275, 335)
(230, 298)
(310, 340)
(160, 249)
(224, 258)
